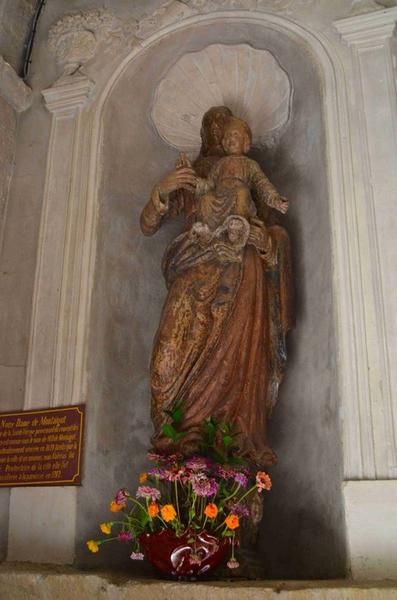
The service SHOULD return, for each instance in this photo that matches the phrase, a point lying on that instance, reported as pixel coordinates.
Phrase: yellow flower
(211, 511)
(142, 478)
(93, 546)
(232, 521)
(106, 528)
(168, 512)
(115, 506)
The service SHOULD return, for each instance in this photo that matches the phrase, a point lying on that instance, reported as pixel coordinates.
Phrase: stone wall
(15, 16)
(15, 19)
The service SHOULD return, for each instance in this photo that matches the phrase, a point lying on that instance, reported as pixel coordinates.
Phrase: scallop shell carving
(249, 81)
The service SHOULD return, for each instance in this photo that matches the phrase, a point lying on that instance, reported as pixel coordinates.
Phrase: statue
(220, 347)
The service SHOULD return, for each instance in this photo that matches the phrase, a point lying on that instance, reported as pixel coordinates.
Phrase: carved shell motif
(249, 81)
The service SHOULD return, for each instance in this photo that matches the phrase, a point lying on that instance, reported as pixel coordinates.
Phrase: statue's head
(237, 136)
(212, 129)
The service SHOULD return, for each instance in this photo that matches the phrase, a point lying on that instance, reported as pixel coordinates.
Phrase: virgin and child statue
(220, 347)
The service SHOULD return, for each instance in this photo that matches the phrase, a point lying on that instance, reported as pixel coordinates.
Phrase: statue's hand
(283, 205)
(160, 202)
(182, 178)
(258, 236)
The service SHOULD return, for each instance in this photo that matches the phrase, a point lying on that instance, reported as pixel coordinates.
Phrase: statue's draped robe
(220, 347)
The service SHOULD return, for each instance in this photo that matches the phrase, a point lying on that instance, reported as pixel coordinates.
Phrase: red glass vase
(188, 556)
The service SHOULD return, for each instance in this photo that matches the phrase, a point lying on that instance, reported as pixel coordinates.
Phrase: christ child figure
(227, 190)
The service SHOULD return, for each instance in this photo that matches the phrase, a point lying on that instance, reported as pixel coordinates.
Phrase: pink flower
(136, 556)
(233, 563)
(173, 458)
(174, 474)
(263, 481)
(197, 463)
(124, 536)
(154, 457)
(121, 496)
(144, 491)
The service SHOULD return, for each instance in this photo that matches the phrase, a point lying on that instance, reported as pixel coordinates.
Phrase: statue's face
(235, 140)
(214, 131)
(235, 231)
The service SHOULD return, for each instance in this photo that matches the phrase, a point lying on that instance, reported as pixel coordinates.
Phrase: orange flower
(93, 546)
(211, 511)
(263, 481)
(168, 512)
(232, 521)
(153, 509)
(142, 478)
(115, 506)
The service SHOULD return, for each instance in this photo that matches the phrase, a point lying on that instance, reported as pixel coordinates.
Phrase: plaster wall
(129, 292)
(15, 18)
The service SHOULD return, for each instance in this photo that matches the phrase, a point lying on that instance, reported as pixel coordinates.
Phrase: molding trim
(68, 95)
(373, 115)
(368, 28)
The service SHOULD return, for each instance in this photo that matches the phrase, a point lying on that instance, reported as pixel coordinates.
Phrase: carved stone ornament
(249, 81)
(75, 38)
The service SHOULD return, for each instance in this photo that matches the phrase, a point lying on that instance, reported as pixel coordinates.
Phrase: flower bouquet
(187, 511)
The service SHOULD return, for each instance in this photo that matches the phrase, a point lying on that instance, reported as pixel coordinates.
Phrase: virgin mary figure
(220, 347)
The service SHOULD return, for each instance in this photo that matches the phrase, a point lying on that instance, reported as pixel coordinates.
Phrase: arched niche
(302, 534)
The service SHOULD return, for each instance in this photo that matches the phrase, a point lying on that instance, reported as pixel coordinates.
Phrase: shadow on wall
(302, 534)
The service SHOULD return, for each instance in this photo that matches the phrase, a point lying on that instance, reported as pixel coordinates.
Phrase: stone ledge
(36, 582)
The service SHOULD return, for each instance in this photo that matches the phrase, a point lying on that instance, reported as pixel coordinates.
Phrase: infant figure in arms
(226, 217)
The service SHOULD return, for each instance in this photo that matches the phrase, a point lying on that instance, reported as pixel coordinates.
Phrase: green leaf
(228, 534)
(227, 440)
(177, 414)
(169, 431)
(236, 460)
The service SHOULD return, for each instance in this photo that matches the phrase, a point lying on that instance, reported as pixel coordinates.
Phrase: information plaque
(41, 447)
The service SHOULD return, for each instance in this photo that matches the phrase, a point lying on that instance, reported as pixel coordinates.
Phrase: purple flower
(239, 509)
(157, 472)
(145, 491)
(136, 556)
(204, 486)
(124, 536)
(197, 463)
(224, 472)
(233, 563)
(121, 496)
(241, 479)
